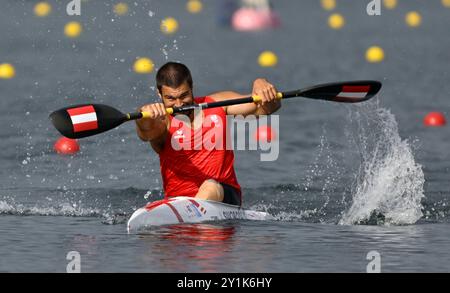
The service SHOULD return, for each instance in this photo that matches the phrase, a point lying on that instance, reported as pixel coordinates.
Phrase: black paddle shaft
(89, 119)
(343, 92)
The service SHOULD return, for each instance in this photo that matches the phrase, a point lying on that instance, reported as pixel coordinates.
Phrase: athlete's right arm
(155, 128)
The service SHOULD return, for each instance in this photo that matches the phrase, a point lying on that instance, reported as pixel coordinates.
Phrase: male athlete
(201, 172)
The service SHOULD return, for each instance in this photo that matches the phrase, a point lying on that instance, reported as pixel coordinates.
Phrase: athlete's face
(177, 97)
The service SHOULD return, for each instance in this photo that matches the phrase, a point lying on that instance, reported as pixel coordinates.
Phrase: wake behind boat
(189, 210)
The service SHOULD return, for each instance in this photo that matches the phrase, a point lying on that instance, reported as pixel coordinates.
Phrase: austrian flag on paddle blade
(354, 91)
(83, 118)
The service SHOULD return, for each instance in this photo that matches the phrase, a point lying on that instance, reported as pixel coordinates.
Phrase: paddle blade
(86, 120)
(344, 92)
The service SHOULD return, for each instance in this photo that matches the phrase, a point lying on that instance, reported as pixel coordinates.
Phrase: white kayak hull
(189, 210)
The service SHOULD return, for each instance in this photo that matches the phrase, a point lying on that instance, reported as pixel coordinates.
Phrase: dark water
(339, 168)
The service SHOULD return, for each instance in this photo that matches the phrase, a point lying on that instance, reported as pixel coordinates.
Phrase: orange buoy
(66, 146)
(265, 134)
(434, 119)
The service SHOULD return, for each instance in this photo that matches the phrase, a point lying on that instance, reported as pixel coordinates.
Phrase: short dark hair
(173, 74)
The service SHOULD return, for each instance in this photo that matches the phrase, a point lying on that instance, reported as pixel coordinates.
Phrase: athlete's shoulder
(226, 95)
(205, 99)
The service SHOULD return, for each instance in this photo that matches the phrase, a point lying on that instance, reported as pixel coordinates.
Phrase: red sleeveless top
(191, 156)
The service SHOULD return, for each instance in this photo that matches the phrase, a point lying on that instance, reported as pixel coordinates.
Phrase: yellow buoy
(169, 25)
(267, 59)
(194, 6)
(143, 65)
(413, 19)
(390, 4)
(328, 4)
(446, 3)
(121, 8)
(73, 29)
(375, 54)
(42, 9)
(336, 21)
(7, 71)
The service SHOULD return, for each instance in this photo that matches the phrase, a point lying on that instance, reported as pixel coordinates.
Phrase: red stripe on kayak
(150, 206)
(174, 210)
(85, 126)
(81, 110)
(194, 202)
(356, 88)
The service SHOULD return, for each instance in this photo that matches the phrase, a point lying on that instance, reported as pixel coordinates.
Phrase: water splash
(326, 173)
(389, 186)
(8, 206)
(63, 209)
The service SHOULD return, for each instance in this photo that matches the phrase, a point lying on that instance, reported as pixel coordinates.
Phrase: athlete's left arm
(262, 88)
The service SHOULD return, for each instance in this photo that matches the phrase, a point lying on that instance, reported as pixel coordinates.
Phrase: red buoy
(66, 146)
(265, 133)
(249, 19)
(434, 119)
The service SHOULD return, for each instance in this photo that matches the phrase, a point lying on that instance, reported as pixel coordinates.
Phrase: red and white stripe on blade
(356, 92)
(83, 118)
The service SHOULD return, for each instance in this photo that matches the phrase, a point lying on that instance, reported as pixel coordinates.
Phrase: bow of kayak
(189, 210)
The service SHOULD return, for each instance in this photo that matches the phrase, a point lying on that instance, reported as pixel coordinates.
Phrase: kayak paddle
(89, 119)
